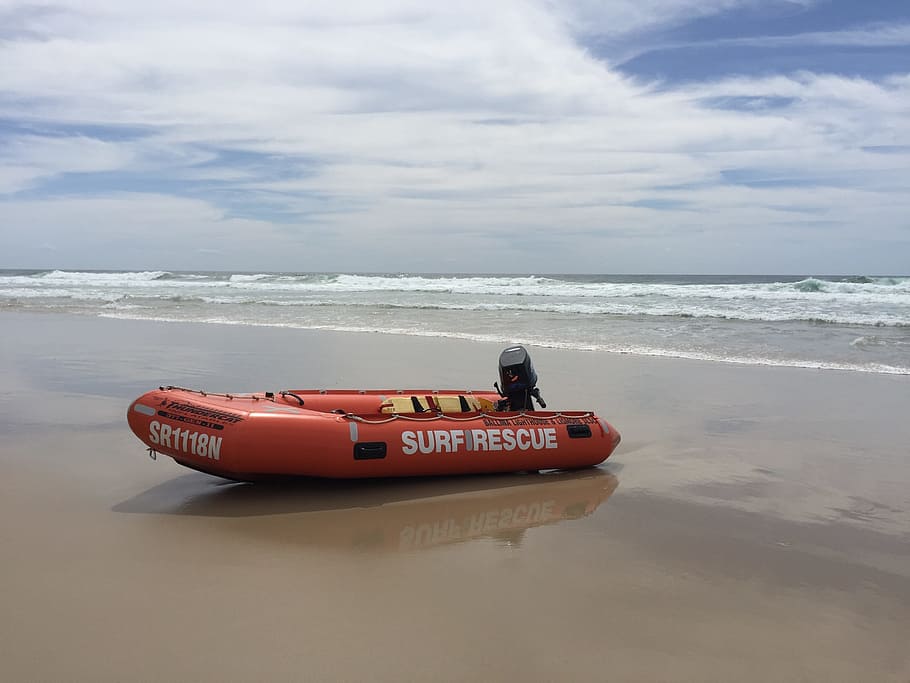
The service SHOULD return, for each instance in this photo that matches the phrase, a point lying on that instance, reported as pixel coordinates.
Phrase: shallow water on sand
(752, 525)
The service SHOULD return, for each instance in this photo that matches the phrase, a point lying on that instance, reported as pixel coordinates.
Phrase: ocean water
(835, 323)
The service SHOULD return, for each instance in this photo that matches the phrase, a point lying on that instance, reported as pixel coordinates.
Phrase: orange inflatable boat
(352, 434)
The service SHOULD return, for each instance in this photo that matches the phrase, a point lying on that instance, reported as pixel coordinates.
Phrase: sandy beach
(753, 525)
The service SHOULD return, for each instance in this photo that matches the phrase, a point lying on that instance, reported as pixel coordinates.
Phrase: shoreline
(880, 369)
(638, 352)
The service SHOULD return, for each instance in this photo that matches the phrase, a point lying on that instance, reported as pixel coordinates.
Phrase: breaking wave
(760, 317)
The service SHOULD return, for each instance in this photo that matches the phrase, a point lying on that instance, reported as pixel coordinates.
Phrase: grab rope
(267, 396)
(453, 418)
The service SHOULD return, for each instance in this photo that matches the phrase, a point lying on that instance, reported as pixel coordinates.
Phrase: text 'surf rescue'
(461, 440)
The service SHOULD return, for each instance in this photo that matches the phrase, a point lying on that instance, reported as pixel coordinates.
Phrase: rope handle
(445, 416)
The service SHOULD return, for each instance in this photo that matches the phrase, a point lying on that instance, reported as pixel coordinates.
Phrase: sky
(517, 136)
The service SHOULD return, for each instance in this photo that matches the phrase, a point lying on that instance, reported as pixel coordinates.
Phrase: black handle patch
(579, 431)
(369, 450)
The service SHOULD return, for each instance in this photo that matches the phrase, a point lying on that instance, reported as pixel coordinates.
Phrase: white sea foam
(814, 322)
(809, 291)
(885, 301)
(89, 278)
(250, 278)
(873, 341)
(59, 293)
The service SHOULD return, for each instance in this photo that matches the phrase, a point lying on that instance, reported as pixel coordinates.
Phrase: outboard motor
(519, 380)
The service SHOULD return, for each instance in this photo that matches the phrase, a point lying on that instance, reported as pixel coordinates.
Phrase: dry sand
(754, 525)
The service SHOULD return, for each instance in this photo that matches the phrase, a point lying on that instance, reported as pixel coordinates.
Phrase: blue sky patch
(56, 129)
(844, 37)
(660, 204)
(715, 62)
(747, 102)
(758, 178)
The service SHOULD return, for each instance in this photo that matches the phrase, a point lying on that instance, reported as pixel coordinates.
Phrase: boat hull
(347, 435)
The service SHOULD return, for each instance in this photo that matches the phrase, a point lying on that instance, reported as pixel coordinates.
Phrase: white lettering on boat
(464, 440)
(195, 443)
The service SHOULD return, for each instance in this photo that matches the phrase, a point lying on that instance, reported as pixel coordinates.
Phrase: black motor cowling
(519, 380)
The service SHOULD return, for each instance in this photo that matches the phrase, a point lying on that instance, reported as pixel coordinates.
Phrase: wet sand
(754, 524)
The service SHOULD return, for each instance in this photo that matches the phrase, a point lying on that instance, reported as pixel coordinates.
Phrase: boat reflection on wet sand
(386, 516)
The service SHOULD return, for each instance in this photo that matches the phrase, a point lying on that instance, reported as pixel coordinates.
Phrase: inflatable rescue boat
(372, 433)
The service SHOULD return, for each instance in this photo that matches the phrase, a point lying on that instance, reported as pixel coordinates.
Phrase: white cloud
(28, 158)
(618, 17)
(449, 130)
(874, 35)
(131, 230)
